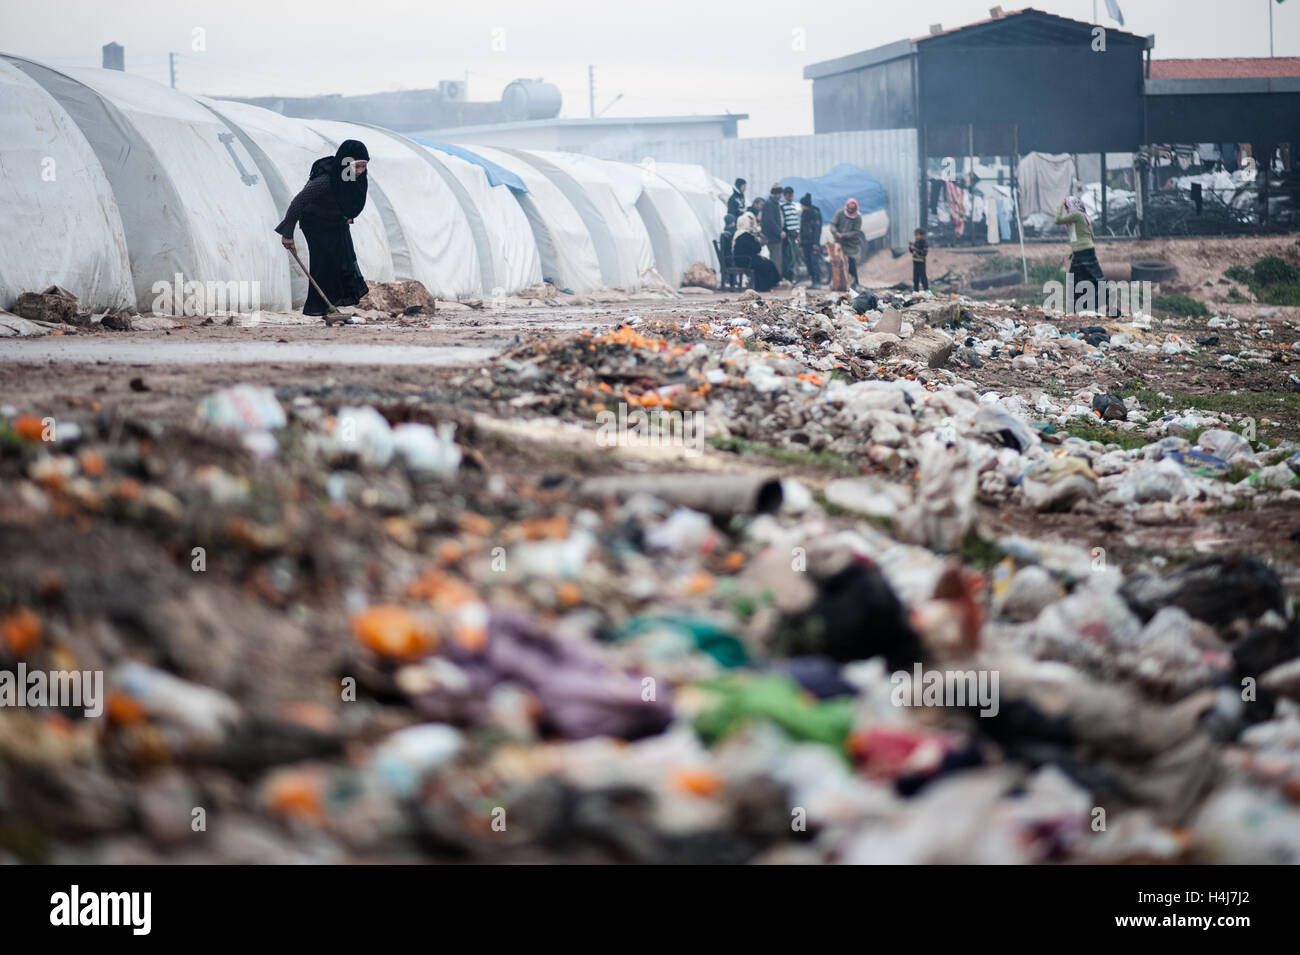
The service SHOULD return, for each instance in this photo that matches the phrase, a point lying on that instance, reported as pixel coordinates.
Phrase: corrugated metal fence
(888, 154)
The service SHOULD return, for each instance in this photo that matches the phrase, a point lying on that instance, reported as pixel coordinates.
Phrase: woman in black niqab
(334, 195)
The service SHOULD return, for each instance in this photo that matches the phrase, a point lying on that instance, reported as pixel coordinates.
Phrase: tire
(1151, 271)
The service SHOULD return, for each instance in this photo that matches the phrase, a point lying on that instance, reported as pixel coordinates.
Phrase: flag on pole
(1112, 7)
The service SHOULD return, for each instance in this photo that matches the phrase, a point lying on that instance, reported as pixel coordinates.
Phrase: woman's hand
(287, 242)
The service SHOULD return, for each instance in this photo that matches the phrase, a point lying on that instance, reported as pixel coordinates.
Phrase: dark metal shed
(1019, 81)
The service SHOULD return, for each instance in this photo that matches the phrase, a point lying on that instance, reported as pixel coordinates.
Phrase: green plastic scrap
(739, 700)
(707, 636)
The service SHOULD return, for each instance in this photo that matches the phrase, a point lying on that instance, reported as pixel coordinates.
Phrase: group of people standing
(335, 194)
(789, 231)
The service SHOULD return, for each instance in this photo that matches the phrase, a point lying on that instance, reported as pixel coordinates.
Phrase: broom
(346, 318)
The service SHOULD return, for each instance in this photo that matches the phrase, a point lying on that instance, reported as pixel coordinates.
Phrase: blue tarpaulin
(497, 175)
(845, 181)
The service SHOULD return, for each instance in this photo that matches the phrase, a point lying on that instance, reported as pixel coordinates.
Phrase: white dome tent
(511, 247)
(613, 192)
(62, 225)
(706, 194)
(564, 245)
(284, 149)
(428, 231)
(153, 184)
(675, 233)
(473, 217)
(617, 246)
(190, 196)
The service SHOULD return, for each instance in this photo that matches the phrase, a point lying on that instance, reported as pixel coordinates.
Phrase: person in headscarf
(748, 222)
(746, 253)
(846, 229)
(1085, 270)
(334, 196)
(736, 204)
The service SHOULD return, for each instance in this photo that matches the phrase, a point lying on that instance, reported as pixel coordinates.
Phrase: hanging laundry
(957, 206)
(1004, 218)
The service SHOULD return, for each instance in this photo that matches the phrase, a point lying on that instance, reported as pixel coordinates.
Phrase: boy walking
(919, 249)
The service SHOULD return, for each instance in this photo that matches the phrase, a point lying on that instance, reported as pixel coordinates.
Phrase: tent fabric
(497, 175)
(167, 185)
(427, 226)
(62, 225)
(706, 194)
(617, 241)
(513, 250)
(284, 150)
(845, 181)
(676, 235)
(564, 244)
(190, 197)
(478, 229)
(629, 188)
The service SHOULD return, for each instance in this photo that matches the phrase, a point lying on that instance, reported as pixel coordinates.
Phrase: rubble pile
(341, 626)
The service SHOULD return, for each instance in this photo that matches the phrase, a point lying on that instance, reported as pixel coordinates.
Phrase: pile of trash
(887, 387)
(339, 627)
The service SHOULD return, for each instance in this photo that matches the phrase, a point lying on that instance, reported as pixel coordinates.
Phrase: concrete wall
(888, 154)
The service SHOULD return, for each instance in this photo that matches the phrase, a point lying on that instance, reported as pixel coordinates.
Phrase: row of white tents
(113, 183)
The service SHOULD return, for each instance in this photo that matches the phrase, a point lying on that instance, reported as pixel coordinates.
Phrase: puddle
(254, 352)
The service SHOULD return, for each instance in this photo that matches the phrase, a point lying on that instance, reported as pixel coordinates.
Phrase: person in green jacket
(1085, 270)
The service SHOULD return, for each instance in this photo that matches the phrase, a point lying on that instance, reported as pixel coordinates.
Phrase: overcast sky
(667, 57)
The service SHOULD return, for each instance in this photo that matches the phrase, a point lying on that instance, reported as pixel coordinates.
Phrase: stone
(933, 313)
(53, 305)
(891, 322)
(928, 346)
(877, 344)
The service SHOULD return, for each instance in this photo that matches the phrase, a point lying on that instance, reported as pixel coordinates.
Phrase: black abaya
(332, 197)
(333, 265)
(766, 275)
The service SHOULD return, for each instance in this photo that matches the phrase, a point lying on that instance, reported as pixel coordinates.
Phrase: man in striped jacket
(790, 212)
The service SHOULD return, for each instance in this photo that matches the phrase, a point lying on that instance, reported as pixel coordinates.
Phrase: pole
(1103, 192)
(1020, 229)
(970, 177)
(171, 63)
(591, 90)
(925, 177)
(1270, 26)
(1015, 195)
(1265, 167)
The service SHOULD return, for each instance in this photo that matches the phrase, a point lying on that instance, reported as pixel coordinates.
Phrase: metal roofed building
(1016, 82)
(1029, 81)
(1242, 99)
(581, 134)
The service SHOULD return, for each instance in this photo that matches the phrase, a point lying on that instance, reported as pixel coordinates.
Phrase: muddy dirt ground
(97, 544)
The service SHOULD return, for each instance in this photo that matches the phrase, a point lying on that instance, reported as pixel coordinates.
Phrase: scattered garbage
(412, 606)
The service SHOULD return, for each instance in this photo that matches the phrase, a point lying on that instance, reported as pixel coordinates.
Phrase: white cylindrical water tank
(530, 99)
